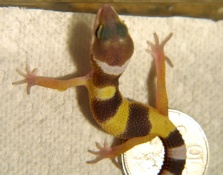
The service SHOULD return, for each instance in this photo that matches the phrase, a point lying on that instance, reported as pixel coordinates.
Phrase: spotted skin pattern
(111, 49)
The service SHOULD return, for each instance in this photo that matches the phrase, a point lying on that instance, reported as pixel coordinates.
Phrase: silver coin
(147, 158)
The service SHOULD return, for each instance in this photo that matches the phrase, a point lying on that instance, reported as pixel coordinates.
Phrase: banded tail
(175, 154)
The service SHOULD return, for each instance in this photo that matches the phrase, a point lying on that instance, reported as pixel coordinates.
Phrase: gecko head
(111, 45)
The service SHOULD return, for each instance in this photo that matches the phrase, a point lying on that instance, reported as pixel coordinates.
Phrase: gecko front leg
(157, 52)
(32, 79)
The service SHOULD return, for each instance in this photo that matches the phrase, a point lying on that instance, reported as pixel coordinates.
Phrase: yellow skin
(111, 48)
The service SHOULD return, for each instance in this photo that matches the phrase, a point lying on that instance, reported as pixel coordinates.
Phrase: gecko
(135, 122)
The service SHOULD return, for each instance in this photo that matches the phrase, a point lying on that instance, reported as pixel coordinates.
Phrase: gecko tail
(175, 154)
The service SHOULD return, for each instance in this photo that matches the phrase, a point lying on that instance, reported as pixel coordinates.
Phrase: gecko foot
(104, 152)
(30, 77)
(157, 49)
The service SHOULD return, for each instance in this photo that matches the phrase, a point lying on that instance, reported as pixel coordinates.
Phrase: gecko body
(111, 50)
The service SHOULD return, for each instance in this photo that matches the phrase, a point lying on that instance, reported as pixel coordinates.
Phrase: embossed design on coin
(147, 158)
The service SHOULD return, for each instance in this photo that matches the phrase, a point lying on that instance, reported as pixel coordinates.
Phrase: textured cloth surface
(49, 132)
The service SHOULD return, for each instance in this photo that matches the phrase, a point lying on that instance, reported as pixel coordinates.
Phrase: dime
(147, 158)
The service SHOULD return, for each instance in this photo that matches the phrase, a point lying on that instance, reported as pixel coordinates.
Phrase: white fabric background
(49, 132)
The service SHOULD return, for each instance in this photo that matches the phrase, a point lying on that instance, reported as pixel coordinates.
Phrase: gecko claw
(30, 77)
(157, 48)
(102, 153)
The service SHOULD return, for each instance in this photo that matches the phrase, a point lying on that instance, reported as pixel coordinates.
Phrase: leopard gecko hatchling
(111, 49)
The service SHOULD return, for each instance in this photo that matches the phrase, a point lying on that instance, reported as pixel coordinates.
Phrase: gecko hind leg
(112, 152)
(157, 52)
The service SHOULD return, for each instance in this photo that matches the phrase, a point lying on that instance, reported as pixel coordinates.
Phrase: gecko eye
(122, 30)
(99, 31)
